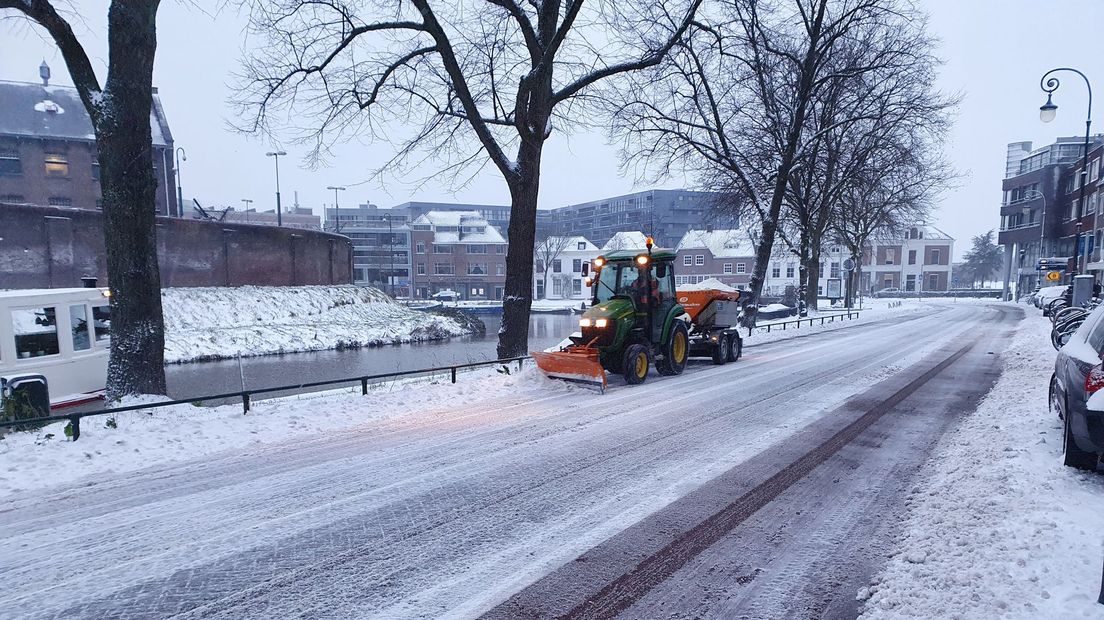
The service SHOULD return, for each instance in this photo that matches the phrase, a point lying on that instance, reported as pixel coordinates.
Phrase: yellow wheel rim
(678, 347)
(641, 365)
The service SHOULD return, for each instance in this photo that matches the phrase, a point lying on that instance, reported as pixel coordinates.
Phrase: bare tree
(120, 113)
(547, 251)
(475, 78)
(735, 97)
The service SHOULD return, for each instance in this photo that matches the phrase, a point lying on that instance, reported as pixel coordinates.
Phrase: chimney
(44, 73)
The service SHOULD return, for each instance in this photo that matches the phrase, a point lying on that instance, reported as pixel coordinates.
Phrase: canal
(194, 380)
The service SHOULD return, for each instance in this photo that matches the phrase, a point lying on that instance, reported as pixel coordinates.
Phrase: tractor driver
(641, 289)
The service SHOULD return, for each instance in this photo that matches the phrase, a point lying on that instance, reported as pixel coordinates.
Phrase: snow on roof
(471, 227)
(709, 284)
(633, 240)
(571, 244)
(720, 243)
(55, 112)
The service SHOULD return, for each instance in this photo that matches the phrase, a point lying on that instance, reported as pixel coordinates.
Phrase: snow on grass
(146, 438)
(219, 322)
(1000, 528)
(870, 313)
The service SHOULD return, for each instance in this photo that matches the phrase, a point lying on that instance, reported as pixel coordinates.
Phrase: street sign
(848, 264)
(1052, 264)
(1054, 276)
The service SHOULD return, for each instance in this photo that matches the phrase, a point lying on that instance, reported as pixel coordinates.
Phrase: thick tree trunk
(513, 336)
(123, 136)
(812, 269)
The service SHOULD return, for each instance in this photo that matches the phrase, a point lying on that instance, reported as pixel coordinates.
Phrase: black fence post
(521, 360)
(74, 423)
(453, 374)
(363, 387)
(245, 402)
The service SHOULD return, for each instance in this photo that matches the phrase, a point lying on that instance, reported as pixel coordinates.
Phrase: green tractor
(634, 320)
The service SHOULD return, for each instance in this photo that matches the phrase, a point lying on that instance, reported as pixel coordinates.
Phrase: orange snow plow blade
(576, 364)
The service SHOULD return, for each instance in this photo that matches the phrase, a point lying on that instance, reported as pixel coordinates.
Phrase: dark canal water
(186, 381)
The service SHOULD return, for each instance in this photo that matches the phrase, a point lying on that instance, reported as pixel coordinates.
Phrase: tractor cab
(643, 281)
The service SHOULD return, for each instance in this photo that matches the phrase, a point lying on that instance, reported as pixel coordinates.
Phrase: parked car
(1077, 393)
(1048, 294)
(886, 292)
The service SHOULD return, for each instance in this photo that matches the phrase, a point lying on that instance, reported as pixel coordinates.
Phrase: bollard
(364, 387)
(245, 402)
(520, 362)
(453, 374)
(74, 422)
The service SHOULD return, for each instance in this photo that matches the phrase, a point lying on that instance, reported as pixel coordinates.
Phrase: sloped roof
(634, 240)
(459, 219)
(34, 110)
(571, 244)
(720, 243)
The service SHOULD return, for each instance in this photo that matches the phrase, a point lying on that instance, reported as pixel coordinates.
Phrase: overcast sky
(996, 50)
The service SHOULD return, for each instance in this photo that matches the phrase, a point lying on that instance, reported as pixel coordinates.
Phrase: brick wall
(47, 247)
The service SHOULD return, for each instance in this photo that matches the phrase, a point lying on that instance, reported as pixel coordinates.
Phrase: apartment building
(919, 261)
(457, 251)
(381, 241)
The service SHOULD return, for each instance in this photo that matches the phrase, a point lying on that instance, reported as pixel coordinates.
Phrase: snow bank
(1000, 528)
(709, 284)
(148, 438)
(209, 323)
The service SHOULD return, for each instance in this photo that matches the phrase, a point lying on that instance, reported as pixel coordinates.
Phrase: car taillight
(1094, 382)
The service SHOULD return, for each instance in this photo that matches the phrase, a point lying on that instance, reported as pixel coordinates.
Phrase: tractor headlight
(584, 322)
(600, 323)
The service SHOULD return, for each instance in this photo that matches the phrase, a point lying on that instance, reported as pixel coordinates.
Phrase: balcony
(1009, 227)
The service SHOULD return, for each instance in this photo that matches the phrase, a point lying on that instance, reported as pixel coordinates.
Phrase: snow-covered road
(754, 488)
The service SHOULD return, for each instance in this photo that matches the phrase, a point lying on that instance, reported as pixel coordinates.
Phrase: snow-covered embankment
(209, 323)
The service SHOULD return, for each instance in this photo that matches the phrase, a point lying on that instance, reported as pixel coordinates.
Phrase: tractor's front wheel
(676, 352)
(635, 364)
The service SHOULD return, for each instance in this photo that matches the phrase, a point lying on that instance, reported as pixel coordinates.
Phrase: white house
(558, 267)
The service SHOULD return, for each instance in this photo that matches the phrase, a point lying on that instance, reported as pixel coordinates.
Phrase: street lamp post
(337, 207)
(1047, 112)
(247, 202)
(391, 254)
(276, 155)
(181, 155)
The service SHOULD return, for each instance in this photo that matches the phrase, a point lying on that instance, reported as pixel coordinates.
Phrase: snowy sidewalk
(1000, 528)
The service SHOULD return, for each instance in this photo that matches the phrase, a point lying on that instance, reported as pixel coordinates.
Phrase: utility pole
(337, 207)
(276, 155)
(181, 155)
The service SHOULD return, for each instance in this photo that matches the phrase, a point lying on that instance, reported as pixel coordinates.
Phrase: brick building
(727, 255)
(457, 251)
(48, 151)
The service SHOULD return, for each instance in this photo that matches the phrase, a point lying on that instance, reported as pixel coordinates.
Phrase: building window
(741, 268)
(933, 282)
(576, 265)
(910, 282)
(890, 255)
(500, 249)
(912, 257)
(95, 170)
(442, 249)
(500, 269)
(12, 198)
(60, 201)
(935, 256)
(420, 247)
(776, 270)
(442, 269)
(687, 260)
(580, 245)
(727, 268)
(557, 288)
(699, 259)
(57, 165)
(539, 266)
(477, 248)
(1092, 204)
(477, 269)
(557, 266)
(790, 270)
(421, 269)
(10, 163)
(576, 287)
(834, 270)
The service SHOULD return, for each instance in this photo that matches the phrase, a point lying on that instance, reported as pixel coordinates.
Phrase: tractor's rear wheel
(635, 364)
(676, 352)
